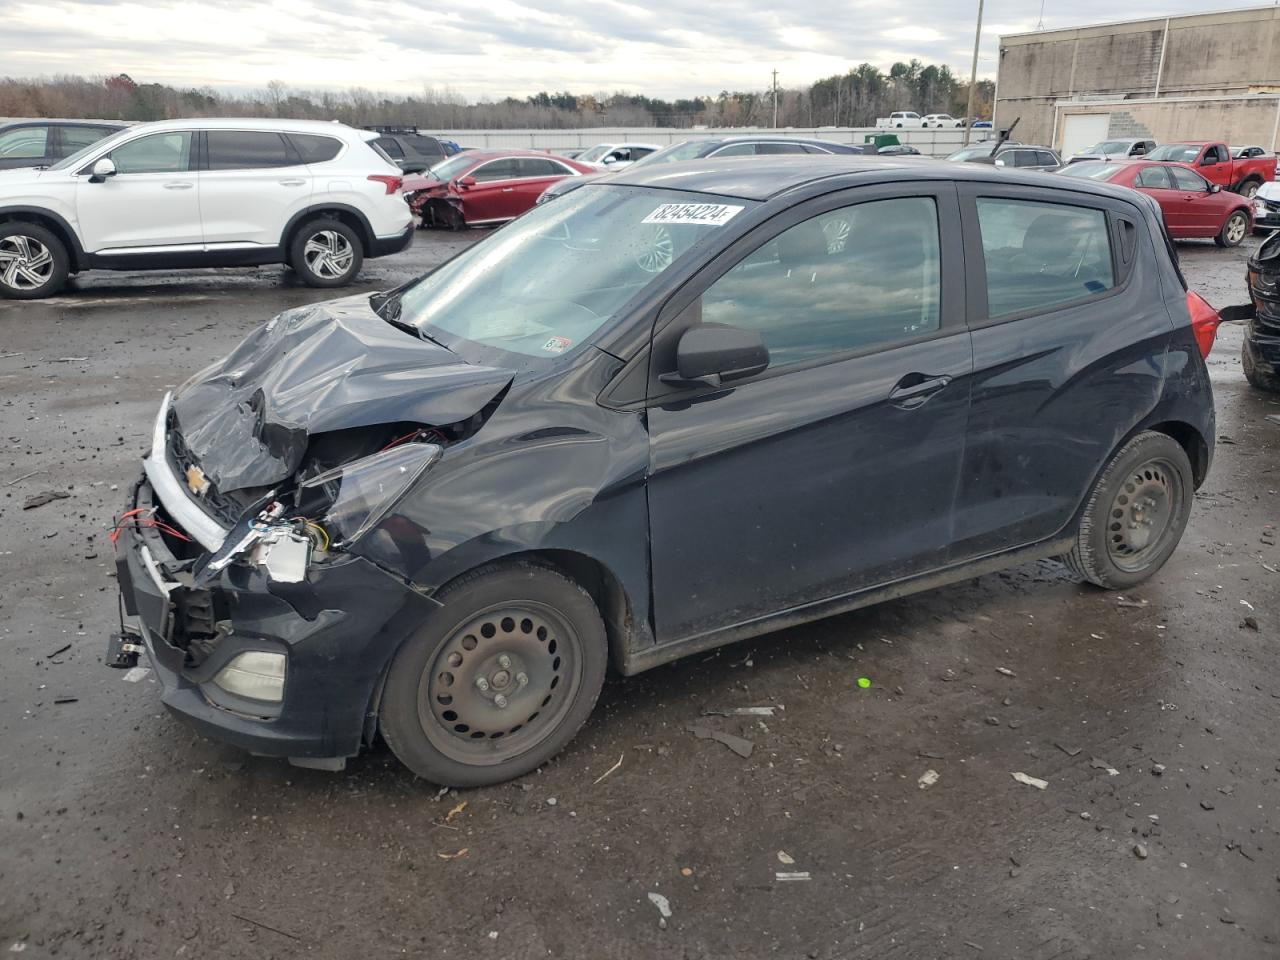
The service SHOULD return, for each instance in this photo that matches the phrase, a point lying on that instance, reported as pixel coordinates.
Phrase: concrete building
(1202, 76)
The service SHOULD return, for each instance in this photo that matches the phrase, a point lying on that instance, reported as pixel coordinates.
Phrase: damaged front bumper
(333, 632)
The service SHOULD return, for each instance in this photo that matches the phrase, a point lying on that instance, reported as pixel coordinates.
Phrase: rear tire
(1258, 372)
(33, 261)
(326, 253)
(535, 639)
(1234, 230)
(1249, 189)
(1135, 514)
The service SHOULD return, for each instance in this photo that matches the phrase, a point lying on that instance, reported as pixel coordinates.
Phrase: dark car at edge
(680, 407)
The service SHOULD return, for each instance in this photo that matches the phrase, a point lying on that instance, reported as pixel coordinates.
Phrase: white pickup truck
(899, 118)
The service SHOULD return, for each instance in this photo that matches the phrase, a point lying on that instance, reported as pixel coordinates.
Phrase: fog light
(254, 674)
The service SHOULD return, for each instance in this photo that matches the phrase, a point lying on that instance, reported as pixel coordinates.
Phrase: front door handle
(508, 189)
(178, 185)
(292, 183)
(915, 388)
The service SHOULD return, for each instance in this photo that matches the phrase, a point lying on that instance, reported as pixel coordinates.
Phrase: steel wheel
(658, 252)
(25, 263)
(1142, 514)
(328, 254)
(501, 683)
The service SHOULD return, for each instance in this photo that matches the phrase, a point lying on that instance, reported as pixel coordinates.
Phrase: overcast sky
(495, 48)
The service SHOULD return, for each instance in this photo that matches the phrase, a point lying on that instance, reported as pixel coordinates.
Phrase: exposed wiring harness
(144, 517)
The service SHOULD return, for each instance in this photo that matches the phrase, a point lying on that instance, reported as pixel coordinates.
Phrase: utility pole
(775, 99)
(973, 78)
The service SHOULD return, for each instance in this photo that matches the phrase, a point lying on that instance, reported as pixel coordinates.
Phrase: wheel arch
(1189, 438)
(342, 212)
(52, 222)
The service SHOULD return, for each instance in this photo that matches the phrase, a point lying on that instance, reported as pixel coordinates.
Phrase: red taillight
(390, 181)
(1204, 321)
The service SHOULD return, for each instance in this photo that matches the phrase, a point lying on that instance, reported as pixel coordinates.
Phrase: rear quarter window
(314, 149)
(1039, 256)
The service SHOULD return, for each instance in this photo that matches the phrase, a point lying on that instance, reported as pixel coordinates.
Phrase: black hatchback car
(680, 407)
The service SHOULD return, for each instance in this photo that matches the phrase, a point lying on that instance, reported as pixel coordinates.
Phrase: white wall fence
(934, 142)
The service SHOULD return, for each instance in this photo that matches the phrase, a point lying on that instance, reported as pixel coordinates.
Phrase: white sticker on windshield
(698, 214)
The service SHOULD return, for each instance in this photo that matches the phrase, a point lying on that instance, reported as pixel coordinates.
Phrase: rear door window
(247, 150)
(1046, 159)
(1041, 255)
(24, 143)
(736, 150)
(773, 148)
(535, 167)
(391, 146)
(856, 277)
(1154, 178)
(505, 169)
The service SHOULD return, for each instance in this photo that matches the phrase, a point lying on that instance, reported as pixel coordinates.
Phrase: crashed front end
(261, 556)
(438, 205)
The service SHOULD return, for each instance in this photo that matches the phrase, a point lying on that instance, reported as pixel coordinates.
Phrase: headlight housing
(363, 492)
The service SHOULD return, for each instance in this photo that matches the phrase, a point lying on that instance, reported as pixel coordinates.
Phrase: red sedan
(484, 188)
(1193, 207)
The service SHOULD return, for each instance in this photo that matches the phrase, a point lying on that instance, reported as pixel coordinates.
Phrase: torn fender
(246, 420)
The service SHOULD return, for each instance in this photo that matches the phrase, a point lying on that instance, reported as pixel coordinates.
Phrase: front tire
(326, 253)
(499, 678)
(1234, 230)
(1249, 189)
(1135, 514)
(1258, 372)
(33, 261)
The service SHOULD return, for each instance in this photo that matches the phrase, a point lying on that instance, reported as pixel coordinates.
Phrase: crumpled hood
(246, 420)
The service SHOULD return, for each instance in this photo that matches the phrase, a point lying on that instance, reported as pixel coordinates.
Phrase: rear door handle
(508, 189)
(178, 185)
(292, 183)
(915, 388)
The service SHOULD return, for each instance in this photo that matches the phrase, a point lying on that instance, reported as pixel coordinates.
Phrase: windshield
(448, 169)
(552, 278)
(689, 150)
(969, 153)
(1180, 152)
(1091, 171)
(83, 154)
(596, 153)
(1108, 146)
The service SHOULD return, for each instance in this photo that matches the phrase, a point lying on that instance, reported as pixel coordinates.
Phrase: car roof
(499, 154)
(257, 123)
(761, 178)
(47, 122)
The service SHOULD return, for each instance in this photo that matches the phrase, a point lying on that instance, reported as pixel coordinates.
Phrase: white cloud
(516, 47)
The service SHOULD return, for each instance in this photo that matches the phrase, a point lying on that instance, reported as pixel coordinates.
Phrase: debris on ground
(610, 770)
(25, 476)
(993, 721)
(664, 908)
(1250, 623)
(1206, 805)
(1136, 604)
(686, 871)
(927, 779)
(134, 674)
(57, 700)
(1086, 815)
(453, 856)
(1157, 769)
(1069, 751)
(739, 745)
(1097, 764)
(453, 814)
(45, 496)
(864, 683)
(784, 857)
(1005, 671)
(57, 653)
(1030, 781)
(787, 877)
(1140, 851)
(740, 711)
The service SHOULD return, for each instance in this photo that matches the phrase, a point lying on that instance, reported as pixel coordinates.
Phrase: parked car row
(39, 143)
(909, 119)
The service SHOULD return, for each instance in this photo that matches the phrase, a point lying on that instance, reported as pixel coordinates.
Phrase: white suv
(204, 193)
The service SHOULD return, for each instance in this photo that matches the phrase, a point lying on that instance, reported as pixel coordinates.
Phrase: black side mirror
(716, 353)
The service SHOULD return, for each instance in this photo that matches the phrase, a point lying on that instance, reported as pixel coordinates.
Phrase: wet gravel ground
(1152, 716)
